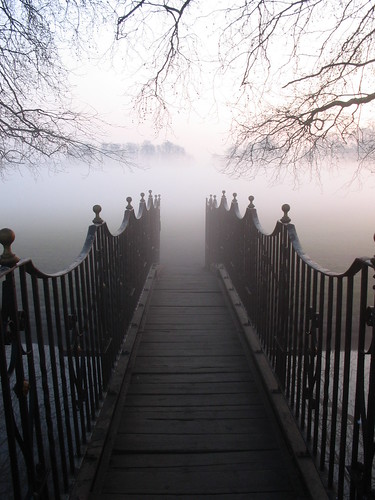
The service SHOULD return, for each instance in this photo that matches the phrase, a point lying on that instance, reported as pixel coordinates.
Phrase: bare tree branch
(35, 116)
(298, 75)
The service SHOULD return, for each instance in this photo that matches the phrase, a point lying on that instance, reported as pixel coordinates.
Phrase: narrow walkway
(194, 422)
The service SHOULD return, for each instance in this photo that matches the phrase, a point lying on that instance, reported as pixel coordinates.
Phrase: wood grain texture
(194, 422)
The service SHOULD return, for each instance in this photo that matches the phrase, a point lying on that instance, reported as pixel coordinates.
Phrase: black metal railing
(60, 335)
(317, 328)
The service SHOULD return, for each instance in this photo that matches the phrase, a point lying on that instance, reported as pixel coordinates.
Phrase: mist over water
(50, 214)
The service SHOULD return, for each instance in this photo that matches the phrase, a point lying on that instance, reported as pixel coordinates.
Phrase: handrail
(317, 328)
(60, 335)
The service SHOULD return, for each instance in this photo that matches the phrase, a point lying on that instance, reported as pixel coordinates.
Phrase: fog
(50, 214)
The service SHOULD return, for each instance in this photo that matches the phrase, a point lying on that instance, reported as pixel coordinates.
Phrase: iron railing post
(60, 336)
(314, 325)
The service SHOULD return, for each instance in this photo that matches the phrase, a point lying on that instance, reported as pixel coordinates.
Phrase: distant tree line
(148, 150)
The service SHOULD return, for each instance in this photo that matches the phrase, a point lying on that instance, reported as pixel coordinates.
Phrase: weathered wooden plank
(191, 286)
(196, 286)
(193, 298)
(187, 443)
(194, 413)
(216, 336)
(255, 495)
(184, 281)
(190, 378)
(213, 327)
(257, 459)
(180, 364)
(192, 388)
(189, 319)
(199, 400)
(153, 425)
(194, 482)
(202, 309)
(181, 276)
(198, 349)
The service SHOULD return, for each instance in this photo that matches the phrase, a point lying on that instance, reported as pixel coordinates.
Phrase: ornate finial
(285, 219)
(156, 200)
(8, 258)
(234, 198)
(129, 205)
(223, 193)
(210, 201)
(159, 197)
(251, 204)
(97, 209)
(142, 200)
(150, 198)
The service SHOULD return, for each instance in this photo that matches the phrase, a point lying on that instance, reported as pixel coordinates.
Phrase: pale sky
(104, 78)
(103, 90)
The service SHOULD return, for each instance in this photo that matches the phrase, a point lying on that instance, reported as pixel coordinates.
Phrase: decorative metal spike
(251, 204)
(150, 196)
(97, 209)
(8, 258)
(129, 205)
(142, 200)
(285, 219)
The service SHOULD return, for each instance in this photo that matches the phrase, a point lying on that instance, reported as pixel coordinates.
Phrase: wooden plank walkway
(194, 422)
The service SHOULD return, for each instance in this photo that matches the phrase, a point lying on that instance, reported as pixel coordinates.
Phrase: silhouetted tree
(35, 118)
(300, 73)
(169, 150)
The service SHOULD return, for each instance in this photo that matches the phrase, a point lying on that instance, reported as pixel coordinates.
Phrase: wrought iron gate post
(283, 300)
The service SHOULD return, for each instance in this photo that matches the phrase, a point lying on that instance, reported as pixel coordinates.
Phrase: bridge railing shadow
(317, 328)
(60, 335)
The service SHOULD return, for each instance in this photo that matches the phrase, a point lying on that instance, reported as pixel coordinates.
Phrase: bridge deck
(194, 422)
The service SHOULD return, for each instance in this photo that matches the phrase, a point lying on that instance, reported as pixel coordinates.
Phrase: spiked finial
(129, 205)
(251, 204)
(97, 219)
(8, 258)
(285, 218)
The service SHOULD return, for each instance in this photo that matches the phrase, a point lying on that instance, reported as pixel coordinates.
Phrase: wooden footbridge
(193, 420)
(124, 378)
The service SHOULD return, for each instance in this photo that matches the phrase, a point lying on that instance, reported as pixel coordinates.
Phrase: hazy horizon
(50, 214)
